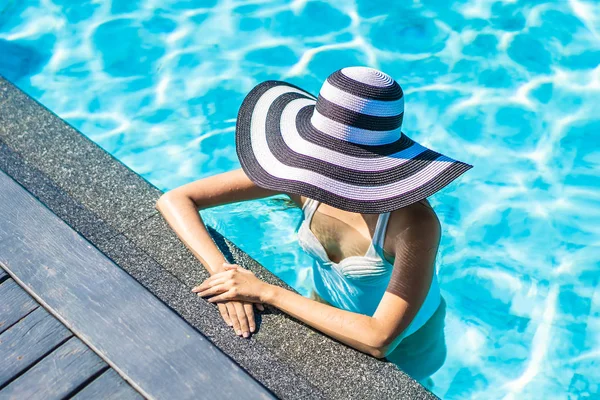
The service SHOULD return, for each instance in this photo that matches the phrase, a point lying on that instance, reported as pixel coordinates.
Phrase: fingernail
(246, 334)
(238, 332)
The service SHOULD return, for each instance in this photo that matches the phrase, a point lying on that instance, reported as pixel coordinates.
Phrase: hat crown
(361, 105)
(369, 76)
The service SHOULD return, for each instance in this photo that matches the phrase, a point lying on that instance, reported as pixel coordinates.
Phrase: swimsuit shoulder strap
(309, 208)
(380, 228)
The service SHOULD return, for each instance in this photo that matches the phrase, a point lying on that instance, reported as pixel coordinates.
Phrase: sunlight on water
(510, 86)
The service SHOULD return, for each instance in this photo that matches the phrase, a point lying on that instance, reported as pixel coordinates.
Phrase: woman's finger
(206, 284)
(233, 315)
(227, 296)
(243, 318)
(224, 313)
(250, 314)
(260, 306)
(219, 275)
(218, 289)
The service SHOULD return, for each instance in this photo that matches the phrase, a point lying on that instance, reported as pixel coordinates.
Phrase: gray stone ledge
(113, 208)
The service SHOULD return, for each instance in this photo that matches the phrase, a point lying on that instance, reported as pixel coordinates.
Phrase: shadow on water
(20, 61)
(423, 353)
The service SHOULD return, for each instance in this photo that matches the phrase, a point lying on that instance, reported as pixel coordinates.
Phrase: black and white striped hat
(344, 148)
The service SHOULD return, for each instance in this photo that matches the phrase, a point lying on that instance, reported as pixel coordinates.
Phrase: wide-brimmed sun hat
(344, 148)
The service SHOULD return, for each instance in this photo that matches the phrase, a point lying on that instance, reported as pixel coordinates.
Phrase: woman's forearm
(357, 330)
(183, 217)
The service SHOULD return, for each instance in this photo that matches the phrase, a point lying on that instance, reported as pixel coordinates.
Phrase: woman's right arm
(180, 208)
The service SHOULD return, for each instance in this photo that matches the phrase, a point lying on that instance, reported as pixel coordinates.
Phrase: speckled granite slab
(113, 208)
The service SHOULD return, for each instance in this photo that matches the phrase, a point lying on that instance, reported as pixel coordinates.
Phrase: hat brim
(279, 149)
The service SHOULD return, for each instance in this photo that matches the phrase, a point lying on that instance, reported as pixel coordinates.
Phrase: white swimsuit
(358, 283)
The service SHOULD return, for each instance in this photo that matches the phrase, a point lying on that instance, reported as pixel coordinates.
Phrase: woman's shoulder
(415, 241)
(417, 222)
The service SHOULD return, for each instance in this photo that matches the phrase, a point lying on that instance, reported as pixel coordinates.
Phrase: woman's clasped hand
(233, 284)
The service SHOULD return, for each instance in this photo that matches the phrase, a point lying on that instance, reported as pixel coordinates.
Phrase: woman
(362, 185)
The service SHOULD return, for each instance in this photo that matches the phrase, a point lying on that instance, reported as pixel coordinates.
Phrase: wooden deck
(73, 322)
(42, 359)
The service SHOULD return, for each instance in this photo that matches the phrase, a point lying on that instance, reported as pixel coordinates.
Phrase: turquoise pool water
(512, 87)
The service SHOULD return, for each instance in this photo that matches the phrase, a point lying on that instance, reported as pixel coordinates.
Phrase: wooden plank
(28, 341)
(57, 375)
(15, 303)
(159, 353)
(108, 386)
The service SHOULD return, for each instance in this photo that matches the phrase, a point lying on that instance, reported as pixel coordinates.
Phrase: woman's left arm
(371, 335)
(416, 248)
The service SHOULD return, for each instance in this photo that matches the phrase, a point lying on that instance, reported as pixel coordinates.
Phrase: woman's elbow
(380, 347)
(381, 351)
(160, 202)
(377, 353)
(164, 199)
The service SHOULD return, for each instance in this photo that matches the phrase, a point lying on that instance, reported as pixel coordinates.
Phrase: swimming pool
(508, 86)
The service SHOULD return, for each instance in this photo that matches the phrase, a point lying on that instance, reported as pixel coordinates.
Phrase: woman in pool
(363, 183)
